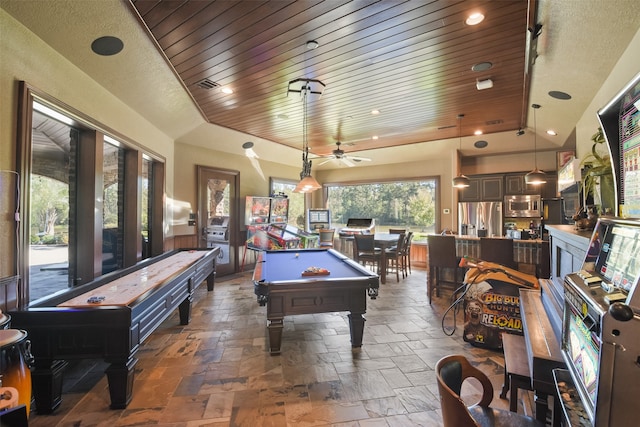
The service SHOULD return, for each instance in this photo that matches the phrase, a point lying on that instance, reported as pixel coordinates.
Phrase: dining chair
(442, 256)
(498, 250)
(451, 373)
(407, 252)
(395, 257)
(326, 237)
(365, 250)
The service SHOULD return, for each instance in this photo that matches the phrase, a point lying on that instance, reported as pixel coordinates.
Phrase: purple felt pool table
(279, 284)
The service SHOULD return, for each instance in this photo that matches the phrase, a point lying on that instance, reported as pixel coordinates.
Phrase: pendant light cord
(535, 137)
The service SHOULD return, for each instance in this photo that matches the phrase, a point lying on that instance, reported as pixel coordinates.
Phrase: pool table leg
(275, 335)
(356, 324)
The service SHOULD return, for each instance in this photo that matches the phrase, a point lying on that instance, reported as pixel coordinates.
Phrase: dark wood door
(218, 201)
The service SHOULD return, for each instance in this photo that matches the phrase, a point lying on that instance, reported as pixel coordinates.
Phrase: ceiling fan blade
(360, 159)
(347, 162)
(326, 161)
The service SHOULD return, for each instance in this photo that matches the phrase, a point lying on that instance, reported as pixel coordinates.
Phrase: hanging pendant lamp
(460, 181)
(536, 176)
(307, 183)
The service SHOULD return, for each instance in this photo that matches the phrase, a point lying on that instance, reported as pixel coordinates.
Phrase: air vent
(207, 84)
(447, 127)
(494, 122)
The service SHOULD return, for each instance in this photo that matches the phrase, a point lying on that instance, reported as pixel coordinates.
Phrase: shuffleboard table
(280, 284)
(108, 319)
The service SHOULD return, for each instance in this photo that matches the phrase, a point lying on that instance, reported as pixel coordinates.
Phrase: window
(89, 196)
(409, 204)
(296, 200)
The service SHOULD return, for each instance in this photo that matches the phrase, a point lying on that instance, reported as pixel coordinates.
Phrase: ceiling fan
(339, 154)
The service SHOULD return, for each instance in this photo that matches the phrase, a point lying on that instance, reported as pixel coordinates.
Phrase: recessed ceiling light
(312, 44)
(552, 132)
(374, 112)
(482, 66)
(559, 95)
(227, 90)
(480, 144)
(374, 137)
(107, 45)
(478, 132)
(474, 18)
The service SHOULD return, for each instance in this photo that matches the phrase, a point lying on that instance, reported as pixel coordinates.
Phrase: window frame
(435, 178)
(88, 255)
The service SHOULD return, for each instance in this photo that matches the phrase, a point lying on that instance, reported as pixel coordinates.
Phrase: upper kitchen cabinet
(550, 189)
(483, 188)
(515, 184)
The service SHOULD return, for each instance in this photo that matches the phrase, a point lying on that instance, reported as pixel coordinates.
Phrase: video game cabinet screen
(613, 254)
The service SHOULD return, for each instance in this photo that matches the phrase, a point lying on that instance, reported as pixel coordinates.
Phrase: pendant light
(460, 181)
(307, 183)
(536, 176)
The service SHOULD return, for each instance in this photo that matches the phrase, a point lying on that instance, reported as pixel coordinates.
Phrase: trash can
(492, 302)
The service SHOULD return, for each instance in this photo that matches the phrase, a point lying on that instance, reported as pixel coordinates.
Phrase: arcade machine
(307, 240)
(261, 213)
(318, 219)
(491, 301)
(601, 328)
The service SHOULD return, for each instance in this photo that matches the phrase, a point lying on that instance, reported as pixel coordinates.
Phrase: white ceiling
(580, 43)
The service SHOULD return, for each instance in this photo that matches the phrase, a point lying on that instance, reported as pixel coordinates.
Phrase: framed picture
(563, 158)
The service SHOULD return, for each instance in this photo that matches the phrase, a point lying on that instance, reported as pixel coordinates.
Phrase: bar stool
(442, 255)
(497, 250)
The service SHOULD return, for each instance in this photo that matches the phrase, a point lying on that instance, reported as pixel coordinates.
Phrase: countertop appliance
(522, 206)
(481, 219)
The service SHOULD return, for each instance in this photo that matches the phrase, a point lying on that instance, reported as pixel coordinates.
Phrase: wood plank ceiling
(411, 60)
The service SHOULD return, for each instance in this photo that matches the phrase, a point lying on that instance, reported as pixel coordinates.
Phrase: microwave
(522, 206)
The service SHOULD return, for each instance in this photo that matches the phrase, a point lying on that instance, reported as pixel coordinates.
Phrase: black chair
(451, 372)
(442, 255)
(365, 251)
(407, 251)
(498, 250)
(395, 257)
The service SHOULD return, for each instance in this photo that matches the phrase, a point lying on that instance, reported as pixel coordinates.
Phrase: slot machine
(601, 329)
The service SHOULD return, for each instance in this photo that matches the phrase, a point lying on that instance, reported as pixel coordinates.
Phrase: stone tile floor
(216, 370)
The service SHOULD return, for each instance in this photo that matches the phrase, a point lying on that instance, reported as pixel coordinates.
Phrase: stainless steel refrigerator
(481, 219)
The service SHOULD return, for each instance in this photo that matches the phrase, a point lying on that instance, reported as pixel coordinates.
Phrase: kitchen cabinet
(550, 189)
(483, 188)
(515, 184)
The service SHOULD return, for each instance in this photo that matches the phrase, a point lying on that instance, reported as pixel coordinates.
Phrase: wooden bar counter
(528, 254)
